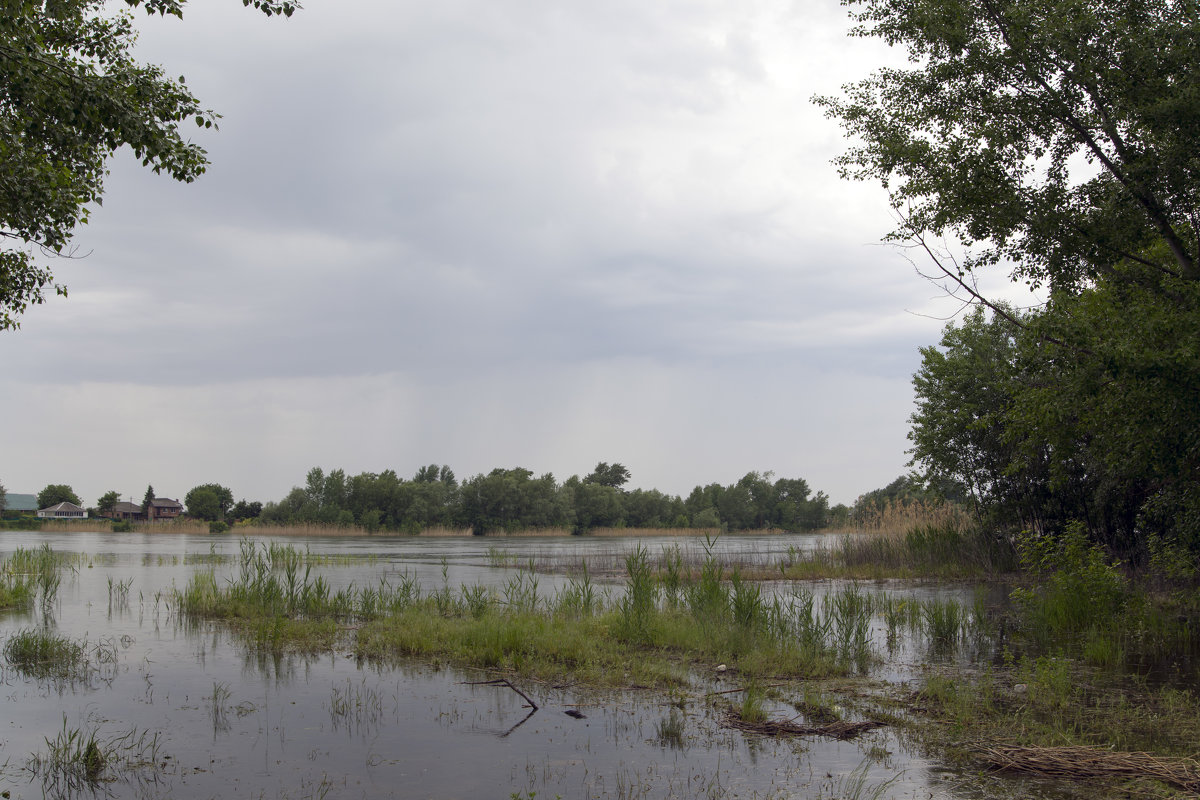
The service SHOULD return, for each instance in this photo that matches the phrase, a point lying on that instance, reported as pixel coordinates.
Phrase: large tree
(1057, 137)
(210, 501)
(57, 493)
(71, 95)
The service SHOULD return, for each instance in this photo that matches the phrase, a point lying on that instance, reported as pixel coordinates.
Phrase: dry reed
(1090, 762)
(898, 517)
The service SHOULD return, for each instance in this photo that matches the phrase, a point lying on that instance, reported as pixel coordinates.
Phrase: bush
(122, 526)
(217, 527)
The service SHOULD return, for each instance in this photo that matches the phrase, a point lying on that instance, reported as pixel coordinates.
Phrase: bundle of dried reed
(1090, 762)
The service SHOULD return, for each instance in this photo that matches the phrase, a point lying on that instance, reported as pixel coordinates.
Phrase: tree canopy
(1057, 137)
(57, 493)
(209, 501)
(71, 95)
(108, 501)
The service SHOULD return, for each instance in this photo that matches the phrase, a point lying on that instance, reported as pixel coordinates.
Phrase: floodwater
(205, 718)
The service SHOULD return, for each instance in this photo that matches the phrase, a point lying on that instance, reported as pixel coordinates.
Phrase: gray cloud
(543, 233)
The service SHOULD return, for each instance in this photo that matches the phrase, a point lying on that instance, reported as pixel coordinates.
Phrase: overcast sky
(538, 233)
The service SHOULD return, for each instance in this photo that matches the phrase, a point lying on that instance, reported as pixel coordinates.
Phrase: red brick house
(162, 508)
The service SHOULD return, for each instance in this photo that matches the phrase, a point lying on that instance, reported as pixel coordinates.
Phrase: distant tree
(3, 498)
(57, 493)
(210, 501)
(614, 475)
(597, 505)
(243, 510)
(146, 500)
(107, 502)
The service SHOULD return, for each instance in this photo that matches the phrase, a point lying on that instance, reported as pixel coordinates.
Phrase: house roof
(64, 506)
(21, 502)
(127, 508)
(163, 502)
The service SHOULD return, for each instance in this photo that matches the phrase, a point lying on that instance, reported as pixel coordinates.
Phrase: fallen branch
(503, 682)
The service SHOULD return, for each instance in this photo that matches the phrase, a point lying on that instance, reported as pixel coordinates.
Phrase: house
(63, 511)
(162, 508)
(127, 511)
(20, 504)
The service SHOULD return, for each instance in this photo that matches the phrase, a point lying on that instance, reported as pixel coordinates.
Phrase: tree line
(508, 500)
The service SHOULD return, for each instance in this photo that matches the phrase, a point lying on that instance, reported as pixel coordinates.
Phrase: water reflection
(233, 722)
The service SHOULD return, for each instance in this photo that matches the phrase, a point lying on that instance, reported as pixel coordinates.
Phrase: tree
(209, 501)
(1054, 135)
(614, 475)
(244, 510)
(57, 493)
(1054, 138)
(107, 502)
(3, 498)
(147, 499)
(71, 95)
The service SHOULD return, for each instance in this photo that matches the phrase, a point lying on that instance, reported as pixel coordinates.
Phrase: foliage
(245, 510)
(509, 500)
(612, 475)
(1055, 138)
(71, 95)
(57, 493)
(3, 498)
(108, 501)
(1054, 135)
(1083, 412)
(208, 501)
(147, 499)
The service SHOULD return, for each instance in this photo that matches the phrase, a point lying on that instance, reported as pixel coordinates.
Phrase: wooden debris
(1089, 762)
(836, 730)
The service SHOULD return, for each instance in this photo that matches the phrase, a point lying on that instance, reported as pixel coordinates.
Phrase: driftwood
(836, 730)
(503, 682)
(1089, 762)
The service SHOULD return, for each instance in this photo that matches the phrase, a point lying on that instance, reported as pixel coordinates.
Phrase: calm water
(232, 724)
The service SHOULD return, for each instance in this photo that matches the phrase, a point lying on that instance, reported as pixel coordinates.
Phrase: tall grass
(30, 574)
(946, 551)
(79, 760)
(279, 603)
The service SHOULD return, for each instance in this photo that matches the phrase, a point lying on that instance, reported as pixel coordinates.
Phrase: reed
(40, 654)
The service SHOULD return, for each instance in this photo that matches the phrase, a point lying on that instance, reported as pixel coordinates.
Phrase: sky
(540, 233)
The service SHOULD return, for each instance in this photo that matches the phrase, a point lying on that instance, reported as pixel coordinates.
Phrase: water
(222, 722)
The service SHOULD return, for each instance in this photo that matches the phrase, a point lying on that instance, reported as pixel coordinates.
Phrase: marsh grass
(356, 707)
(29, 575)
(118, 592)
(40, 654)
(79, 760)
(752, 708)
(950, 550)
(277, 603)
(669, 731)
